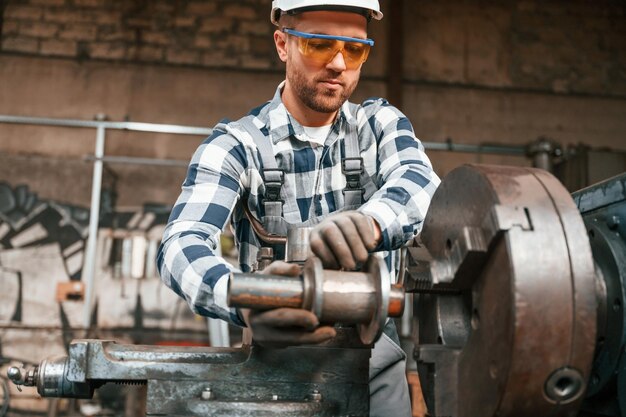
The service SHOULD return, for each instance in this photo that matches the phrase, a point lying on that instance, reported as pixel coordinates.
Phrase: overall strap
(273, 177)
(352, 167)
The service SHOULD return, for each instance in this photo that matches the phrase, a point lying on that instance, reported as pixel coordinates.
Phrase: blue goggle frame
(306, 35)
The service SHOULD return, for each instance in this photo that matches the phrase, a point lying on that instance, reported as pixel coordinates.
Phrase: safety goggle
(324, 48)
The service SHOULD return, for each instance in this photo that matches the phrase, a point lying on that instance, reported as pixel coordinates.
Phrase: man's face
(323, 87)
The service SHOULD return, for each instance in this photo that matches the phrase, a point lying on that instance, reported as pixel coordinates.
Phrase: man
(307, 157)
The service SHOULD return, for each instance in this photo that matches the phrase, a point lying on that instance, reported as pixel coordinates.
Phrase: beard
(314, 95)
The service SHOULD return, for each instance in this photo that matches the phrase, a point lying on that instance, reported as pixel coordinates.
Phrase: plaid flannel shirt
(224, 173)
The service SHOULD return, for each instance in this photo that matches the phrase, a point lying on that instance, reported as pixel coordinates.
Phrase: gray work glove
(285, 326)
(344, 240)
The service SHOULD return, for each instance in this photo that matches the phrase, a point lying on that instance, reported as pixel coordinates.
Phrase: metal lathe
(518, 310)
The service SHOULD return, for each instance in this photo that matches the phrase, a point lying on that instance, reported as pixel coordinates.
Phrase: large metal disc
(533, 306)
(370, 332)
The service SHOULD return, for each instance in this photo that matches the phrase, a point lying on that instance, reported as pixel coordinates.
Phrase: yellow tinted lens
(356, 52)
(324, 50)
(319, 49)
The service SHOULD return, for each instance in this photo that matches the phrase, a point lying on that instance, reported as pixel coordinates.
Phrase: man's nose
(338, 63)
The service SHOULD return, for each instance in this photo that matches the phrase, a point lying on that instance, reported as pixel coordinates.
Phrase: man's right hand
(282, 327)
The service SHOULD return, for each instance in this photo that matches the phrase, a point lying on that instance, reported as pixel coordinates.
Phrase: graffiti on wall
(27, 221)
(42, 251)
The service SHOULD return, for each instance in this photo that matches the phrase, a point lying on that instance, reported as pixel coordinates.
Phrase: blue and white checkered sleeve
(405, 177)
(186, 258)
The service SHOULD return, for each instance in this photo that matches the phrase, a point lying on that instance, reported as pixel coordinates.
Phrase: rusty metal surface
(325, 380)
(396, 300)
(263, 291)
(601, 195)
(259, 409)
(506, 296)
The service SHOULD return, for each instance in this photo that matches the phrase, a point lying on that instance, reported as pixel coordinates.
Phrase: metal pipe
(449, 146)
(260, 231)
(218, 332)
(94, 124)
(543, 160)
(89, 270)
(298, 249)
(263, 292)
(138, 161)
(542, 152)
(185, 333)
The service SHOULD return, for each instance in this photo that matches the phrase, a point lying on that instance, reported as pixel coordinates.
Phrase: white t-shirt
(316, 135)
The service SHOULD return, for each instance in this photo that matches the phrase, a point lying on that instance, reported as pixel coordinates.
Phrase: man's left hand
(344, 240)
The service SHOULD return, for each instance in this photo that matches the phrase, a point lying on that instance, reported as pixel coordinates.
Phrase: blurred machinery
(518, 311)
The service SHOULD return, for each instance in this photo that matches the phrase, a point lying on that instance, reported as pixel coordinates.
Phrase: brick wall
(217, 33)
(559, 46)
(576, 46)
(475, 71)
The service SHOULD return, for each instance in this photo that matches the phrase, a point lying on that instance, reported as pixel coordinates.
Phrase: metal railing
(99, 158)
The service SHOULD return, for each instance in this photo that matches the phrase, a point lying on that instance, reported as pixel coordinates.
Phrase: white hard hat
(369, 6)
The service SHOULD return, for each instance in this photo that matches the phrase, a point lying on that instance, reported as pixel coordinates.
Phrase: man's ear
(280, 40)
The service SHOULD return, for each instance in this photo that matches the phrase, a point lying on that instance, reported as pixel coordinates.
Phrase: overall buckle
(352, 169)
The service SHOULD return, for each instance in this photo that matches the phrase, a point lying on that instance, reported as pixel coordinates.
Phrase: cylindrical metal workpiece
(349, 297)
(364, 298)
(263, 292)
(396, 301)
(297, 249)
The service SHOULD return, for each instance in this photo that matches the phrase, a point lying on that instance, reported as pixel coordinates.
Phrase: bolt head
(316, 396)
(14, 374)
(613, 222)
(207, 394)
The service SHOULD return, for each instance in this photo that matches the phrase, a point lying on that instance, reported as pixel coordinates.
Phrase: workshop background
(481, 81)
